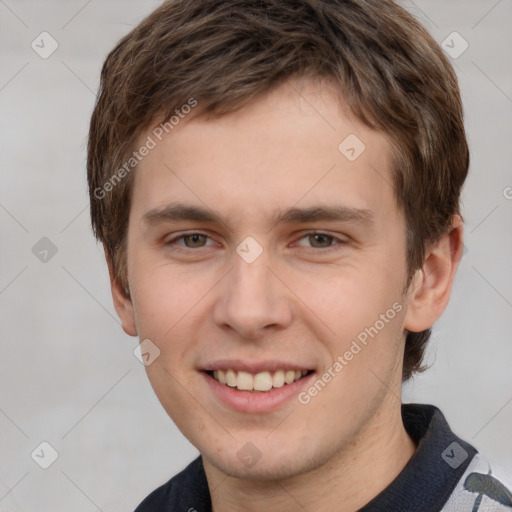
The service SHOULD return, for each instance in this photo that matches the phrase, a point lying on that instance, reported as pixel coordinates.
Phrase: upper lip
(253, 366)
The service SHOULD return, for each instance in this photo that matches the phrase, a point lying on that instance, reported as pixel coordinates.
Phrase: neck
(349, 480)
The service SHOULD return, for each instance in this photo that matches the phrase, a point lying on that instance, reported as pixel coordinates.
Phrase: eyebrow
(296, 215)
(293, 215)
(178, 211)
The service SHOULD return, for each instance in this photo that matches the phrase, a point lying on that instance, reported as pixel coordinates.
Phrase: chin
(268, 466)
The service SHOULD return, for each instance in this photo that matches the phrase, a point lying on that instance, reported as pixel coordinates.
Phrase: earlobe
(431, 286)
(122, 304)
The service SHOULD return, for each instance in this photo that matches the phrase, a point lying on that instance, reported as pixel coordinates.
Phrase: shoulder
(185, 492)
(484, 487)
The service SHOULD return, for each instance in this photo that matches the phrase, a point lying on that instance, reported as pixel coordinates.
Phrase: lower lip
(256, 402)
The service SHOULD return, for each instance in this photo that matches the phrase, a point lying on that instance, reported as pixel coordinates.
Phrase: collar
(432, 473)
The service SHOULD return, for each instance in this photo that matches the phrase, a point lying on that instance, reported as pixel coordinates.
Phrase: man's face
(299, 248)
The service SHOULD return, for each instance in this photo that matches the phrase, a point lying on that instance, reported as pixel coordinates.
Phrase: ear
(122, 303)
(431, 286)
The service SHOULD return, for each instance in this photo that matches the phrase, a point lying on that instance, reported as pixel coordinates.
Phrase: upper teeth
(262, 381)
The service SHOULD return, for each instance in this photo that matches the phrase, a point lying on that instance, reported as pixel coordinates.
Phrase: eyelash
(338, 241)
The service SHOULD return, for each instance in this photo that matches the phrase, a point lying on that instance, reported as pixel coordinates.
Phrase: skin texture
(303, 300)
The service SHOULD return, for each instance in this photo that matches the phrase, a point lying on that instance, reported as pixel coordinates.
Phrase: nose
(252, 300)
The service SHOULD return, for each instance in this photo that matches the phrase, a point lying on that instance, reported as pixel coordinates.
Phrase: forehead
(297, 145)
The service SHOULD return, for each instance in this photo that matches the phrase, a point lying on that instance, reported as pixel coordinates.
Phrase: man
(276, 186)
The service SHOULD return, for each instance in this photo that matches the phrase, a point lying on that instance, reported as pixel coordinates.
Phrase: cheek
(351, 297)
(362, 366)
(358, 316)
(161, 295)
(170, 306)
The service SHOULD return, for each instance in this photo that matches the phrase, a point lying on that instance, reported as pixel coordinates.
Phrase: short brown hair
(389, 70)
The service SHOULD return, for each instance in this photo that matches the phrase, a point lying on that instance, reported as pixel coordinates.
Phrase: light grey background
(67, 372)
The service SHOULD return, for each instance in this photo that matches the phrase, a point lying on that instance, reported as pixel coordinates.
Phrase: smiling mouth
(259, 382)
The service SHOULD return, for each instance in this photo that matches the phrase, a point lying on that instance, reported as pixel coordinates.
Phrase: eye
(195, 240)
(318, 240)
(190, 240)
